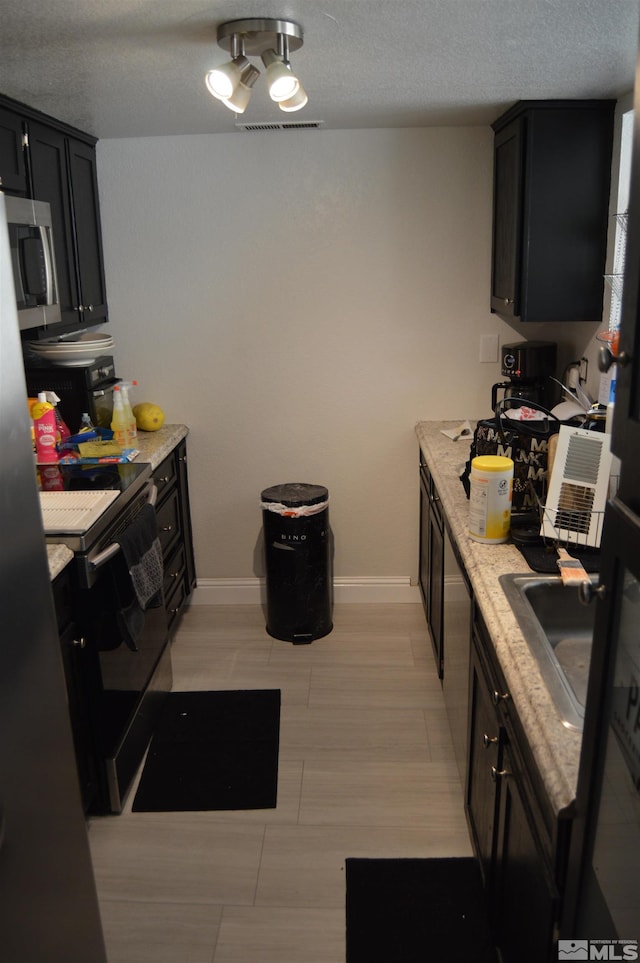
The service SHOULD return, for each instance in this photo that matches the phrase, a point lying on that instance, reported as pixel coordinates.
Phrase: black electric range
(130, 479)
(118, 687)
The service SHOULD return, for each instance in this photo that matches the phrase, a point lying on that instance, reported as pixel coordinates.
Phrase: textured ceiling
(125, 68)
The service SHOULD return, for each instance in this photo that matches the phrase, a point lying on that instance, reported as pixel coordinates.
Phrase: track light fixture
(272, 41)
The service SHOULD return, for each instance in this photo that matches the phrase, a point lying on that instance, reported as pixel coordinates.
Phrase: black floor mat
(416, 911)
(213, 750)
(542, 559)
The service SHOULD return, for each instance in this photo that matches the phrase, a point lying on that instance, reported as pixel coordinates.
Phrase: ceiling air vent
(285, 125)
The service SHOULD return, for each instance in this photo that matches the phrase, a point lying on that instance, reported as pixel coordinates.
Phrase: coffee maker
(529, 365)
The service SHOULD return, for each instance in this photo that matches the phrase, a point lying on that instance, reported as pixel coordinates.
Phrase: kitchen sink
(558, 628)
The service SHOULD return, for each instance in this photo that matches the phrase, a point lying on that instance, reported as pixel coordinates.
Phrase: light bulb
(281, 82)
(223, 80)
(241, 96)
(297, 102)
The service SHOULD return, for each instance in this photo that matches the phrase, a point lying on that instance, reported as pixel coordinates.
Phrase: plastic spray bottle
(616, 465)
(44, 426)
(124, 388)
(85, 423)
(120, 424)
(62, 430)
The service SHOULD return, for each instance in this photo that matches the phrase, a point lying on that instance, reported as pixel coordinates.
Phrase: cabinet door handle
(79, 643)
(167, 528)
(488, 740)
(174, 574)
(497, 774)
(509, 300)
(499, 697)
(606, 358)
(587, 592)
(164, 479)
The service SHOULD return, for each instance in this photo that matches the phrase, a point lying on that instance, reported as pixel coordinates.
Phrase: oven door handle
(104, 387)
(108, 553)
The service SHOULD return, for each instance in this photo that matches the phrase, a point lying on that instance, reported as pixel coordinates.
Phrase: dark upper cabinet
(63, 172)
(552, 164)
(50, 161)
(13, 173)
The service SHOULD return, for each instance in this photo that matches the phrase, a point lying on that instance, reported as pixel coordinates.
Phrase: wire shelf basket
(572, 523)
(616, 283)
(620, 242)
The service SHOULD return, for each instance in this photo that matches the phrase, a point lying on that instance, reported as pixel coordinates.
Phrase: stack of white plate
(84, 349)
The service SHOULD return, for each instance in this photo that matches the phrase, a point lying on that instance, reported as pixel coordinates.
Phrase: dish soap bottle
(131, 418)
(120, 424)
(44, 426)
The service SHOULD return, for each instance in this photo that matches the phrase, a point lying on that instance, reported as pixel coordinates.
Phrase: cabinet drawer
(175, 601)
(165, 476)
(168, 517)
(174, 570)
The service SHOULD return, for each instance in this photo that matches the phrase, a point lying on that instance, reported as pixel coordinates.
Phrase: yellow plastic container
(490, 499)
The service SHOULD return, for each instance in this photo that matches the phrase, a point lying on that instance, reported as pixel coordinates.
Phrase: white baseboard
(250, 591)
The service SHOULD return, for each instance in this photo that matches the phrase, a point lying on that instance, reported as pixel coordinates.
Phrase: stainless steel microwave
(34, 263)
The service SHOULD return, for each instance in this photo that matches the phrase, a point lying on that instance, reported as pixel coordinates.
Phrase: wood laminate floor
(366, 769)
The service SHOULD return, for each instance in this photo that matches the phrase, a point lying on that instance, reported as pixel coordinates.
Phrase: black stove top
(112, 477)
(129, 478)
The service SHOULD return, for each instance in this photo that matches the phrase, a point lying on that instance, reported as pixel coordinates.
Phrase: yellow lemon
(148, 417)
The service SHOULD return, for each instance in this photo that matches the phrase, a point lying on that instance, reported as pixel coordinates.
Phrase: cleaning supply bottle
(85, 423)
(616, 464)
(62, 430)
(120, 424)
(44, 426)
(124, 388)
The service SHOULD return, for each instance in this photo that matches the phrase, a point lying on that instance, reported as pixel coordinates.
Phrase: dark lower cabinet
(519, 839)
(72, 648)
(176, 538)
(485, 757)
(516, 836)
(431, 566)
(525, 896)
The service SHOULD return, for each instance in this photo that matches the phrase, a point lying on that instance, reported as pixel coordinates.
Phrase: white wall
(300, 300)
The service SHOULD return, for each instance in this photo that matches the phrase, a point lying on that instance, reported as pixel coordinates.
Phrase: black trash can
(298, 563)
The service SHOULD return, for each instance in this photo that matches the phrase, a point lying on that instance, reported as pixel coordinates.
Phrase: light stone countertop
(556, 749)
(58, 557)
(154, 446)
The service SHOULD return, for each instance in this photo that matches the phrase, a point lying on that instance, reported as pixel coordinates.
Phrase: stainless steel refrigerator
(48, 903)
(602, 901)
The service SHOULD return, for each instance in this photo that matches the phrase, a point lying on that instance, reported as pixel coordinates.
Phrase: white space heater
(579, 487)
